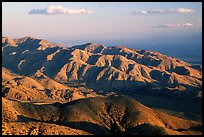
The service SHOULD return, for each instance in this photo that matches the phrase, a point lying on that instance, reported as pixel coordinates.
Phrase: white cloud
(56, 10)
(143, 12)
(187, 24)
(183, 10)
(161, 11)
(163, 26)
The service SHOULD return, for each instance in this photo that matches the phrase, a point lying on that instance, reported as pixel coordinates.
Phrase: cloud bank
(56, 10)
(161, 11)
(173, 25)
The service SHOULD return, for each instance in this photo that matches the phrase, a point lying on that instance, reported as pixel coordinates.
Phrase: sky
(132, 24)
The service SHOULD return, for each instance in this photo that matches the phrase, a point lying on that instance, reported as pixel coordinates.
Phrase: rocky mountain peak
(28, 43)
(6, 41)
(90, 47)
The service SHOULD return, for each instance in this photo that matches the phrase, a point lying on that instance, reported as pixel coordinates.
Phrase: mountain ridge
(91, 89)
(99, 64)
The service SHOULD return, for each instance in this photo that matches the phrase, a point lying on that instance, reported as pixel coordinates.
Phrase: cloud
(187, 24)
(56, 10)
(163, 26)
(161, 11)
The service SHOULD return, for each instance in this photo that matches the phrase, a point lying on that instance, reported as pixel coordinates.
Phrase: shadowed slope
(112, 115)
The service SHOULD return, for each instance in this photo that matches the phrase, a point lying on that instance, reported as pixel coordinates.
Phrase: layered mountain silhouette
(99, 116)
(49, 89)
(116, 67)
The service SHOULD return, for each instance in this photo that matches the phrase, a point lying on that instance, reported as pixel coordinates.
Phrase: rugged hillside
(107, 116)
(118, 68)
(40, 89)
(48, 89)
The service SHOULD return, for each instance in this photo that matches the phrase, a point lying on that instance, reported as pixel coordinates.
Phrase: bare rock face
(38, 44)
(90, 47)
(39, 88)
(98, 116)
(8, 42)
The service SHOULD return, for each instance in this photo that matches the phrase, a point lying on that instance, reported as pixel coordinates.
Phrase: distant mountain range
(116, 67)
(38, 71)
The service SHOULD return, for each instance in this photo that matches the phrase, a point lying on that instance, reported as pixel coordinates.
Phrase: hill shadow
(92, 128)
(89, 127)
(22, 118)
(145, 129)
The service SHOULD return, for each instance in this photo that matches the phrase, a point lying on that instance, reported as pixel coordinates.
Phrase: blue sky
(118, 23)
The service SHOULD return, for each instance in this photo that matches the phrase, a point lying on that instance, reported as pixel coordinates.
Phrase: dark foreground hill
(98, 116)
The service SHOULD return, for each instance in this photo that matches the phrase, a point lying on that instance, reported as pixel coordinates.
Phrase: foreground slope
(111, 115)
